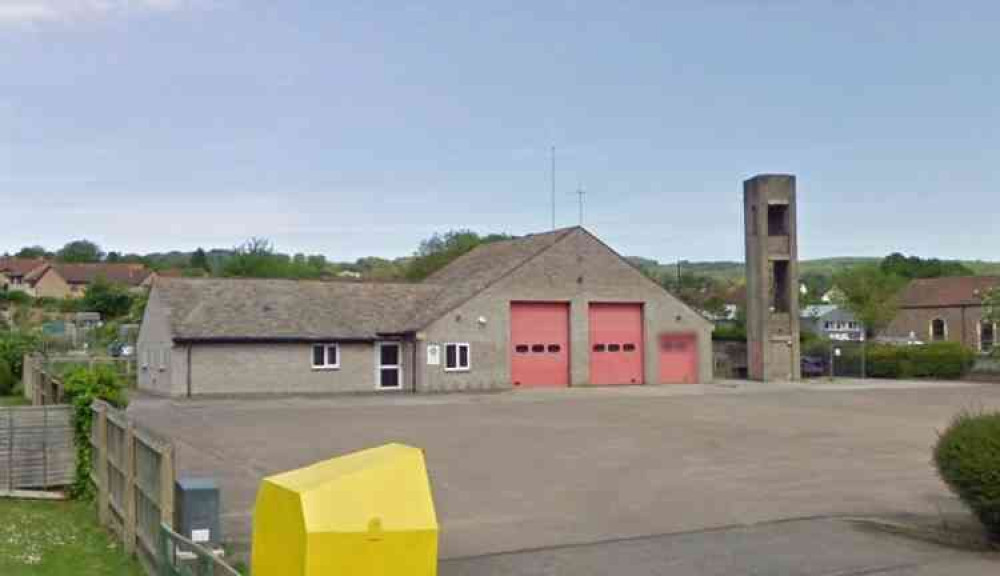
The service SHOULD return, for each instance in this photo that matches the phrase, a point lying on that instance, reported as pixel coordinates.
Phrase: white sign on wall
(433, 355)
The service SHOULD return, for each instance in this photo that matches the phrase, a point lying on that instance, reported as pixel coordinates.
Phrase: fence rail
(182, 557)
(43, 387)
(133, 469)
(36, 448)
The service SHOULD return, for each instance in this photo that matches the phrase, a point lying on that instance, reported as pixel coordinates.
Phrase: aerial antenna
(553, 174)
(580, 193)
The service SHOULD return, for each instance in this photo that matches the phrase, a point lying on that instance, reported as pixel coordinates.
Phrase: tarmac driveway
(518, 471)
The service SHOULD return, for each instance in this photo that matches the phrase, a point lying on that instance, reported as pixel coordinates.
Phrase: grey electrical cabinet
(196, 510)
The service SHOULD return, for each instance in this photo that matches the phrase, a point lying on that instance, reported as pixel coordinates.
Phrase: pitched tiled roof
(952, 291)
(20, 266)
(235, 309)
(264, 309)
(477, 269)
(119, 273)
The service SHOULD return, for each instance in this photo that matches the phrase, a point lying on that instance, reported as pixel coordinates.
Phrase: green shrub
(83, 386)
(946, 360)
(967, 457)
(7, 380)
(883, 361)
(730, 333)
(13, 346)
(15, 297)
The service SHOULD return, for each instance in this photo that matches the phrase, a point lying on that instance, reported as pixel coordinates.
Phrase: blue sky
(348, 129)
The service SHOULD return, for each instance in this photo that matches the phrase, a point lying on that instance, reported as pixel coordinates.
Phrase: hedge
(940, 360)
(967, 457)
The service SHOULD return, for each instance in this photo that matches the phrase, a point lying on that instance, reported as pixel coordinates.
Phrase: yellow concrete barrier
(365, 514)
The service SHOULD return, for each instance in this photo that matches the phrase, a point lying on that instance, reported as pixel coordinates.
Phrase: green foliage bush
(111, 300)
(83, 386)
(730, 333)
(14, 345)
(15, 297)
(967, 457)
(940, 360)
(7, 380)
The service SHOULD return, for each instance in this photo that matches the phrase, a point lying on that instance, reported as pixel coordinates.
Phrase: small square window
(554, 348)
(325, 356)
(629, 347)
(522, 348)
(599, 348)
(538, 348)
(456, 357)
(614, 347)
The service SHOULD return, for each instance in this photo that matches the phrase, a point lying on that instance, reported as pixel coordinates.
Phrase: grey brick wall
(579, 270)
(161, 365)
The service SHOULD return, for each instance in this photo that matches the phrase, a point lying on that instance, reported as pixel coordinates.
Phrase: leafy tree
(14, 344)
(113, 257)
(32, 252)
(871, 294)
(817, 284)
(80, 251)
(111, 300)
(440, 250)
(911, 267)
(7, 380)
(199, 260)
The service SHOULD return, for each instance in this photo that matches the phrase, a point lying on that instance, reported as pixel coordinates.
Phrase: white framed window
(987, 336)
(456, 357)
(938, 330)
(325, 356)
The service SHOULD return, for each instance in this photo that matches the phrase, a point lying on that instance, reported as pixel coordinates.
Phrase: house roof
(20, 266)
(230, 309)
(119, 273)
(480, 268)
(240, 309)
(949, 291)
(817, 310)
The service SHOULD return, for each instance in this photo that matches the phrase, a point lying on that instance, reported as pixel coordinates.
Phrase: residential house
(946, 309)
(16, 273)
(833, 322)
(60, 280)
(555, 309)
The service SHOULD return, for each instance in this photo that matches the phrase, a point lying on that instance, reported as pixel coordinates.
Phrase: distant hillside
(729, 270)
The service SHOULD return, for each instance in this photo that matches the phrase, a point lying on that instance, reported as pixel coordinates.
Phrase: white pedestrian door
(390, 365)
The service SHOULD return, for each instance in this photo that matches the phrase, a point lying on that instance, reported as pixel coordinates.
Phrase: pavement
(805, 547)
(522, 477)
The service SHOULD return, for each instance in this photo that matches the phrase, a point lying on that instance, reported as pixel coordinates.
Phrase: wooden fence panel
(134, 474)
(36, 448)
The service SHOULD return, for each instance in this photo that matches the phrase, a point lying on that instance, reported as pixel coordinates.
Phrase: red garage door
(616, 343)
(678, 359)
(539, 339)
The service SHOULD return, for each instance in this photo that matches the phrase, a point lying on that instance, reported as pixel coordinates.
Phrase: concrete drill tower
(772, 275)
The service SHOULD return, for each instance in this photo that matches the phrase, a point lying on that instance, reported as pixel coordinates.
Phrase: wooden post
(10, 449)
(130, 515)
(103, 497)
(167, 486)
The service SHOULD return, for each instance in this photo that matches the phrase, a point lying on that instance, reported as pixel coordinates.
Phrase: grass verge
(13, 401)
(49, 538)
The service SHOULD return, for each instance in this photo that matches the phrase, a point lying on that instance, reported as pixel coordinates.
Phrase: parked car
(813, 367)
(121, 350)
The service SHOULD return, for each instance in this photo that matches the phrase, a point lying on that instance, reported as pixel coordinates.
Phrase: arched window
(987, 336)
(939, 330)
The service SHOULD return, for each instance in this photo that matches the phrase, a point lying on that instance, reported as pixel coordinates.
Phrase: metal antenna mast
(553, 187)
(580, 192)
